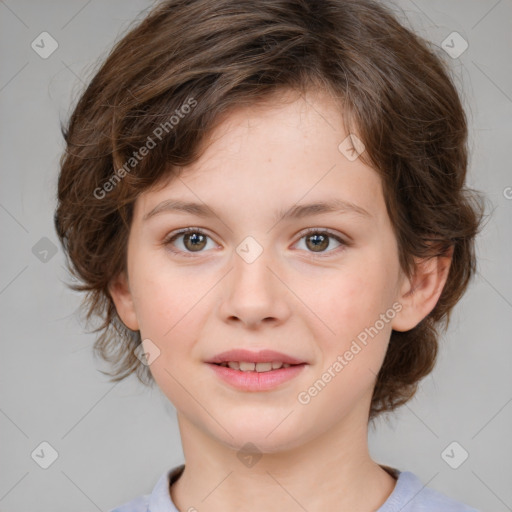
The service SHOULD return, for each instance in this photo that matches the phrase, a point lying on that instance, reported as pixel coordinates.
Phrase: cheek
(354, 299)
(162, 295)
(171, 307)
(352, 306)
(158, 301)
(352, 357)
(169, 315)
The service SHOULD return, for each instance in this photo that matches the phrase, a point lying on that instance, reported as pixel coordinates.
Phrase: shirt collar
(160, 498)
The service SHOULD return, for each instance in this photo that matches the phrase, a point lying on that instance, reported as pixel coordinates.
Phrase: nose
(255, 292)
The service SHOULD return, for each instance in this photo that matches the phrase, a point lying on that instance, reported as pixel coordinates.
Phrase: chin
(262, 437)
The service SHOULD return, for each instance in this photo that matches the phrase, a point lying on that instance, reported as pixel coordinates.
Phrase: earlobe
(121, 295)
(419, 294)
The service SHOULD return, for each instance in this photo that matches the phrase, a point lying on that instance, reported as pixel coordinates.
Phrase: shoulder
(411, 495)
(139, 504)
(159, 499)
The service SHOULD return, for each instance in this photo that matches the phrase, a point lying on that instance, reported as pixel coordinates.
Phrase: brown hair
(195, 60)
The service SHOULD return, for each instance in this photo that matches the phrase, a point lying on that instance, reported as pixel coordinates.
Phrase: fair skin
(306, 303)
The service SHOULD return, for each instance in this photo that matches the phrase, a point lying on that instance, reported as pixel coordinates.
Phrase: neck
(333, 471)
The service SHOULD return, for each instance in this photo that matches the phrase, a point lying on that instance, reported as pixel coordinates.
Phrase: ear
(119, 289)
(419, 294)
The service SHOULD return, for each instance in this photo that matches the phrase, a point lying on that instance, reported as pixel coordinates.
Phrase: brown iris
(197, 240)
(323, 241)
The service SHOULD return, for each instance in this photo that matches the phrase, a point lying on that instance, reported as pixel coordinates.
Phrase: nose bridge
(254, 292)
(251, 266)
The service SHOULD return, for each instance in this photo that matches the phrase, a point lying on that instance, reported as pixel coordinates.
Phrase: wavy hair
(394, 91)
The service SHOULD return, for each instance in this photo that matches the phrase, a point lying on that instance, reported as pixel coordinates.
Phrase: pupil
(323, 241)
(196, 239)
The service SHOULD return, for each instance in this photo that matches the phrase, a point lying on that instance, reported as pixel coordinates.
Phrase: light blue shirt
(409, 495)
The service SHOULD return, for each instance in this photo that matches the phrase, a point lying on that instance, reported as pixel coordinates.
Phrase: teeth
(263, 367)
(258, 367)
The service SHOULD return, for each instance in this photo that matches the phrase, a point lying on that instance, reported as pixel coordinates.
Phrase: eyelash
(313, 231)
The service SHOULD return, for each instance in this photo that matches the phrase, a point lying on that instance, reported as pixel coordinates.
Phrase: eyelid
(332, 234)
(308, 231)
(168, 239)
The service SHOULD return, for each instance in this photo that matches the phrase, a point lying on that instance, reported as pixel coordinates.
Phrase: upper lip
(262, 356)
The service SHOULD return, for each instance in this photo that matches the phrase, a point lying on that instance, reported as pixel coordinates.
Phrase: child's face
(300, 296)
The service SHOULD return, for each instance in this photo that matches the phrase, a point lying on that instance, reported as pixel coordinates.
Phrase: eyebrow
(297, 211)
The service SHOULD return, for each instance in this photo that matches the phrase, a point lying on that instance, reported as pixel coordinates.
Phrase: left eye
(318, 240)
(195, 240)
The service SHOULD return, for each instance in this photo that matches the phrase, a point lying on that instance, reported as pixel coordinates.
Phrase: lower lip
(256, 381)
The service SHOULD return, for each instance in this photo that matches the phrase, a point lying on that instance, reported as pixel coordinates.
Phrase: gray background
(114, 441)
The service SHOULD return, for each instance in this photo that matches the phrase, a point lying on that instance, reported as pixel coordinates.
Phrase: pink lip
(256, 381)
(263, 356)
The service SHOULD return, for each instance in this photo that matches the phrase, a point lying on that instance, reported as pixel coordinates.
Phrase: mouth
(256, 371)
(245, 358)
(254, 380)
(244, 366)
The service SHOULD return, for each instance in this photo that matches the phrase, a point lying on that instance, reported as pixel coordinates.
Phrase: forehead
(281, 152)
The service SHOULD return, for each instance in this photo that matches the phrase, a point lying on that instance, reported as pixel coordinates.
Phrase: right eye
(194, 240)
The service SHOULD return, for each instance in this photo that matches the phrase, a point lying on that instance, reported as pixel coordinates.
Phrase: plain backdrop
(112, 442)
